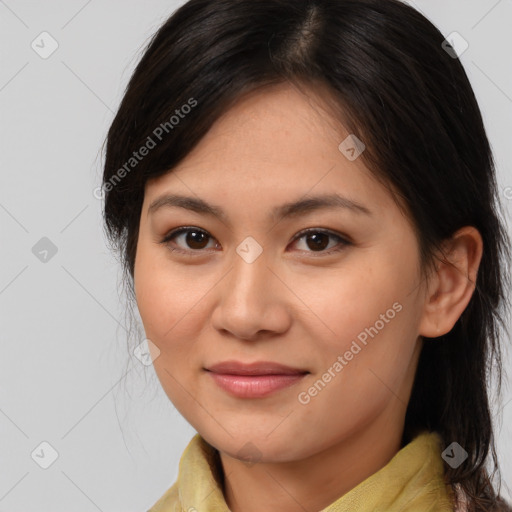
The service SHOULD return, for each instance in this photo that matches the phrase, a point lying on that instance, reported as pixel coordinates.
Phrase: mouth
(254, 380)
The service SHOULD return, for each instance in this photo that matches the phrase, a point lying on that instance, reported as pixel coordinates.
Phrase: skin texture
(294, 305)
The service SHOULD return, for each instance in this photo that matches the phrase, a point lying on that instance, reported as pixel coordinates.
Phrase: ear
(453, 282)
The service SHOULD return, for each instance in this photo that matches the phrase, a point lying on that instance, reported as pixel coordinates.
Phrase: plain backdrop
(71, 396)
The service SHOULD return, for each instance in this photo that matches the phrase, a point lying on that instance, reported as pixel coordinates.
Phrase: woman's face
(342, 303)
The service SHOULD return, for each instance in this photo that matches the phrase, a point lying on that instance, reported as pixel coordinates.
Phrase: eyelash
(343, 242)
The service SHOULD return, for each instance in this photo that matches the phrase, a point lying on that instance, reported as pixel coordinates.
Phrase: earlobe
(452, 283)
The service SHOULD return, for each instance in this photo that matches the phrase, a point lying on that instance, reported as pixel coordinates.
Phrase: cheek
(368, 300)
(168, 297)
(365, 329)
(363, 372)
(169, 303)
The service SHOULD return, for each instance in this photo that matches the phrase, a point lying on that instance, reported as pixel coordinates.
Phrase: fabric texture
(412, 481)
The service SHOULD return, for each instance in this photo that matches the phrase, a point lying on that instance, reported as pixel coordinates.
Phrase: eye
(197, 239)
(318, 240)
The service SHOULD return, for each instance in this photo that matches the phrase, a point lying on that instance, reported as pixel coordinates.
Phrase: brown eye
(191, 239)
(318, 240)
(196, 239)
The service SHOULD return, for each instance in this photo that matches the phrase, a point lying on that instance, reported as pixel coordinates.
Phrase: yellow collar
(412, 481)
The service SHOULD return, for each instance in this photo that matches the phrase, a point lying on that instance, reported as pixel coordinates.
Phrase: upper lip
(256, 368)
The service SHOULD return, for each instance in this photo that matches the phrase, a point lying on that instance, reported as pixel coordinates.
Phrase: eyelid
(343, 240)
(183, 229)
(326, 231)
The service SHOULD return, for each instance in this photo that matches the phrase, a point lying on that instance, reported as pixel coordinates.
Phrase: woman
(346, 375)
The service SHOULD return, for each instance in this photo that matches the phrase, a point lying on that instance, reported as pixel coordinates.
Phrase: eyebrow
(287, 210)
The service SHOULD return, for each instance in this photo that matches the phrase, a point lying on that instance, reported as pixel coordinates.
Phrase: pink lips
(255, 380)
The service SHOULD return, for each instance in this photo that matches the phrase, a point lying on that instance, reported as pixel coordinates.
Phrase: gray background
(65, 375)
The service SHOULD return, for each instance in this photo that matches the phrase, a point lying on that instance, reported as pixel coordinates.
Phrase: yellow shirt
(412, 481)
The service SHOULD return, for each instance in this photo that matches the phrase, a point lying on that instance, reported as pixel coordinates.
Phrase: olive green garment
(412, 481)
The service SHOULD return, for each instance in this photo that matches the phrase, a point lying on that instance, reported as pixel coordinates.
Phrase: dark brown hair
(392, 84)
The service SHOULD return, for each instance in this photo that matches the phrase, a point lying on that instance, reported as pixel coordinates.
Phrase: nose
(251, 301)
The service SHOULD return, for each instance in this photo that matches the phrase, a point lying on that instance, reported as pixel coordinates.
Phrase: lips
(254, 380)
(257, 368)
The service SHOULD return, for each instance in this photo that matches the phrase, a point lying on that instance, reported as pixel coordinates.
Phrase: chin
(253, 448)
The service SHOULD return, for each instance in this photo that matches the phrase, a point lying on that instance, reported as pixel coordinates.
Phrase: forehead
(274, 145)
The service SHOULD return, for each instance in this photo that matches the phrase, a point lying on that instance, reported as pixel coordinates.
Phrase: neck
(317, 481)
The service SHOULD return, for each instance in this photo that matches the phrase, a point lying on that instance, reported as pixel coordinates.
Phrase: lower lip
(254, 386)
